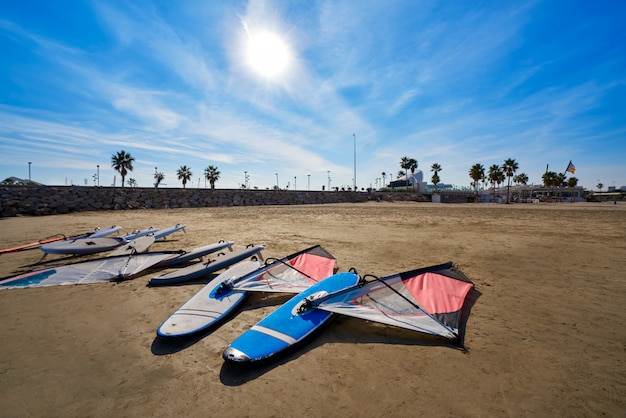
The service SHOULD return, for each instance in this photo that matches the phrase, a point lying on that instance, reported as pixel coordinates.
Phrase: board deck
(140, 233)
(105, 232)
(199, 252)
(286, 327)
(205, 309)
(167, 231)
(201, 269)
(83, 246)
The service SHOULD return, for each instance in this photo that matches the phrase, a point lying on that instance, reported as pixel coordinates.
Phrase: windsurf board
(205, 307)
(83, 246)
(199, 252)
(201, 269)
(167, 231)
(288, 325)
(96, 233)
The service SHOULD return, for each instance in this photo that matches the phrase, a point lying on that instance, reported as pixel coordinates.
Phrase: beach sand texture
(546, 336)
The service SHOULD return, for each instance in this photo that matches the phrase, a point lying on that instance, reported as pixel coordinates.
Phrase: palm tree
(571, 183)
(476, 173)
(435, 168)
(122, 162)
(494, 175)
(212, 175)
(184, 173)
(405, 164)
(413, 166)
(132, 182)
(550, 179)
(521, 178)
(509, 168)
(159, 177)
(560, 183)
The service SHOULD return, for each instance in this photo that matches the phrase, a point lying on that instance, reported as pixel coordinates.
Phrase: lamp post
(309, 182)
(354, 135)
(295, 186)
(98, 173)
(245, 179)
(328, 171)
(29, 163)
(277, 186)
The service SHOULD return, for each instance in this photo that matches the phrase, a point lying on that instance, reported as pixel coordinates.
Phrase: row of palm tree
(496, 176)
(122, 162)
(556, 180)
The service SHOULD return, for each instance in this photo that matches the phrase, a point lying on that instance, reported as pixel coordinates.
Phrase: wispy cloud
(444, 83)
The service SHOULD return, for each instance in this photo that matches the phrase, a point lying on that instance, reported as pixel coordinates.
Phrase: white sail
(426, 300)
(291, 274)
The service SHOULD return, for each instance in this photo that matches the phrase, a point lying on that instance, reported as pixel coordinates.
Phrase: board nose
(234, 355)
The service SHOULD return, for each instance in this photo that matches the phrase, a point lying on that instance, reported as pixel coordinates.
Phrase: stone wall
(52, 200)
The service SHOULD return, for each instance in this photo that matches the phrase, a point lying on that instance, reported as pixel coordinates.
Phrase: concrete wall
(52, 200)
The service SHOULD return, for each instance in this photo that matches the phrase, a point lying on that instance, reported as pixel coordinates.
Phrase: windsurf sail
(291, 274)
(93, 271)
(428, 300)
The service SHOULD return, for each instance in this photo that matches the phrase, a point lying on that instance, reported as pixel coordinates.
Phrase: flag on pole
(570, 168)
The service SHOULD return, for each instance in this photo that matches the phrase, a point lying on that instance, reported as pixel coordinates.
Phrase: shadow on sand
(344, 330)
(162, 346)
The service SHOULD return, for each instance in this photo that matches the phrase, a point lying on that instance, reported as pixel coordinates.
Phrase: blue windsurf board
(287, 326)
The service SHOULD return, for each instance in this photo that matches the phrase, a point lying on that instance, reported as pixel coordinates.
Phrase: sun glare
(267, 54)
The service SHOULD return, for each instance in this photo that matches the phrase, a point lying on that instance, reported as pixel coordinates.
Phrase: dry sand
(546, 337)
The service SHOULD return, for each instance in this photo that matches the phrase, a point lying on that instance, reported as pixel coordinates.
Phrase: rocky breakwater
(53, 200)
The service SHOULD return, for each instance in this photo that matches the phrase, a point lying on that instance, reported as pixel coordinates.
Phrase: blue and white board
(288, 325)
(201, 269)
(205, 308)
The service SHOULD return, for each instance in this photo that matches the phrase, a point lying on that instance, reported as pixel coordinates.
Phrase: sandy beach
(546, 336)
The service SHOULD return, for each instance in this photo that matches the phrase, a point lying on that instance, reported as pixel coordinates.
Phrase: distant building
(532, 193)
(415, 182)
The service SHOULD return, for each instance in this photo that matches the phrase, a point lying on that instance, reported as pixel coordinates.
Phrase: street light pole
(98, 173)
(354, 135)
(295, 186)
(328, 171)
(309, 182)
(29, 163)
(277, 186)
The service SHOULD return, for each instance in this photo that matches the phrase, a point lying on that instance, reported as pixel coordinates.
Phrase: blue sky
(176, 83)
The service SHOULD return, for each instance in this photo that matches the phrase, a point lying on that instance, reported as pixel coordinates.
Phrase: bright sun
(267, 54)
